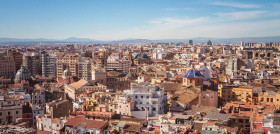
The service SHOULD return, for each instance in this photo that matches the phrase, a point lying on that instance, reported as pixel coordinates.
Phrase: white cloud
(221, 25)
(236, 5)
(177, 22)
(241, 15)
(205, 29)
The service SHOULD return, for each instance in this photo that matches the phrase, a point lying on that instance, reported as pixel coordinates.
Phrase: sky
(139, 19)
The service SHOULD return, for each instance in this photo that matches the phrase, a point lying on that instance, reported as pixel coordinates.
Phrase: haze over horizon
(124, 19)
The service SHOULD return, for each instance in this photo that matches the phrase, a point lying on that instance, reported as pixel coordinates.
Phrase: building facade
(48, 65)
(69, 61)
(33, 62)
(7, 65)
(147, 97)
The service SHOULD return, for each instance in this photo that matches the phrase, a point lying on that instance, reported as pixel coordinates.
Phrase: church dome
(66, 73)
(23, 74)
(193, 73)
(142, 56)
(209, 42)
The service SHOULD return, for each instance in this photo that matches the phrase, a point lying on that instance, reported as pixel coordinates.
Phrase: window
(154, 109)
(240, 120)
(136, 96)
(141, 97)
(9, 113)
(0, 113)
(16, 112)
(271, 99)
(267, 99)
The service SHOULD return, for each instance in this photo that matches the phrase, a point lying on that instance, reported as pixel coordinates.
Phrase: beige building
(125, 108)
(75, 89)
(269, 97)
(59, 108)
(208, 98)
(84, 69)
(118, 63)
(7, 65)
(33, 63)
(48, 124)
(99, 74)
(67, 60)
(10, 110)
(17, 58)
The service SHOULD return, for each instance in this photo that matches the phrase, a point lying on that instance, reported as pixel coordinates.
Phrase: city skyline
(115, 20)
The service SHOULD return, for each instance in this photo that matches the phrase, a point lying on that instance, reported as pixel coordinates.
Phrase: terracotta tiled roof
(78, 120)
(133, 128)
(75, 121)
(43, 132)
(95, 124)
(113, 73)
(79, 84)
(186, 97)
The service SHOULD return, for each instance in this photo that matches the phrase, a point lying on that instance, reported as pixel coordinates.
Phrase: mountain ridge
(131, 40)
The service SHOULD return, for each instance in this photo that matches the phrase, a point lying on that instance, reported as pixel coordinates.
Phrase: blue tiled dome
(193, 73)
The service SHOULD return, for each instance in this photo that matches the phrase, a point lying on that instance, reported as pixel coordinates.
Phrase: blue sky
(149, 19)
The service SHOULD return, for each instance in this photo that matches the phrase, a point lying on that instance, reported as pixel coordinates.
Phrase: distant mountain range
(127, 41)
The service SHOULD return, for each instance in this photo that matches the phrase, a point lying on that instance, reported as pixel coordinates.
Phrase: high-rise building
(48, 64)
(118, 63)
(33, 63)
(190, 42)
(17, 58)
(67, 60)
(84, 69)
(7, 65)
(232, 65)
(99, 74)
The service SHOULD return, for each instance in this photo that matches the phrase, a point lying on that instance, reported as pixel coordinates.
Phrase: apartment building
(7, 65)
(48, 64)
(67, 60)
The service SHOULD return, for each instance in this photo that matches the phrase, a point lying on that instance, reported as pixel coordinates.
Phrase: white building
(36, 109)
(205, 71)
(159, 53)
(116, 62)
(147, 97)
(48, 64)
(46, 123)
(187, 56)
(38, 97)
